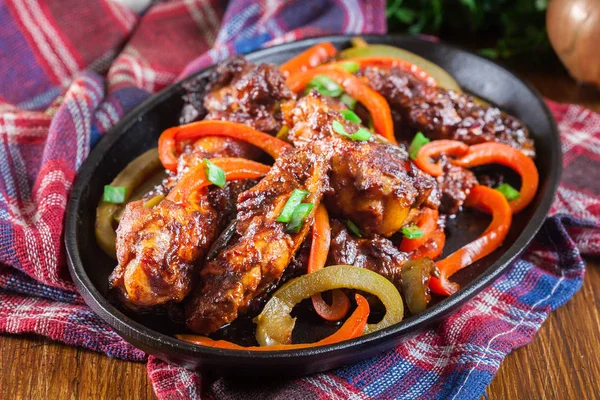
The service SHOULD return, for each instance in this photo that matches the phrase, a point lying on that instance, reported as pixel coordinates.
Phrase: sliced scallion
(348, 100)
(214, 174)
(418, 141)
(299, 215)
(325, 85)
(349, 115)
(508, 191)
(353, 228)
(412, 232)
(114, 194)
(296, 198)
(360, 135)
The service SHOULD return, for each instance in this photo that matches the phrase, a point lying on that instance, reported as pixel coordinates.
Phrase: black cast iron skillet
(139, 131)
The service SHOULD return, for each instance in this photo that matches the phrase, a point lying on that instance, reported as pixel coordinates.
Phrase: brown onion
(574, 31)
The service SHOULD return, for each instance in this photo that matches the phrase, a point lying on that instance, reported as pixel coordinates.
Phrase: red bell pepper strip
(169, 138)
(352, 328)
(191, 183)
(436, 148)
(500, 153)
(310, 58)
(373, 101)
(428, 225)
(433, 248)
(391, 62)
(321, 238)
(487, 200)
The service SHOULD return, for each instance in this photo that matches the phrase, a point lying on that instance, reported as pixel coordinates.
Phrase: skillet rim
(382, 339)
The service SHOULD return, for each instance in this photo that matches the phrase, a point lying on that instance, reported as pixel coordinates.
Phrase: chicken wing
(262, 248)
(372, 182)
(160, 249)
(375, 253)
(445, 114)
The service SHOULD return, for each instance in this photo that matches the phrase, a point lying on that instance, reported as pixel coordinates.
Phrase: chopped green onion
(353, 228)
(348, 100)
(349, 115)
(114, 194)
(214, 174)
(412, 232)
(339, 128)
(509, 192)
(418, 141)
(350, 66)
(360, 135)
(296, 198)
(298, 217)
(325, 85)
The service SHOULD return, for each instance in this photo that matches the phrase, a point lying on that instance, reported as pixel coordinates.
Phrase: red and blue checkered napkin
(71, 70)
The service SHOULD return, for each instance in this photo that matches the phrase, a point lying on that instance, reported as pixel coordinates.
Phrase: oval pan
(139, 131)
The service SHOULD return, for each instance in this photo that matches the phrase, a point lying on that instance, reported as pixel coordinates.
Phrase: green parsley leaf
(349, 115)
(298, 217)
(114, 194)
(353, 228)
(350, 66)
(509, 192)
(412, 232)
(325, 85)
(295, 198)
(214, 174)
(418, 141)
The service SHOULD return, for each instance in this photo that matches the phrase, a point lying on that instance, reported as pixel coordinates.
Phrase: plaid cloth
(52, 113)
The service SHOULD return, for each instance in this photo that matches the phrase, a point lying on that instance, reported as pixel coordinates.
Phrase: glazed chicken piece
(160, 250)
(445, 114)
(375, 253)
(262, 248)
(373, 182)
(455, 185)
(238, 91)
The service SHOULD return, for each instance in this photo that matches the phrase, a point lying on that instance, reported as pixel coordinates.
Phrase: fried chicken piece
(238, 91)
(373, 182)
(159, 248)
(445, 114)
(455, 185)
(375, 253)
(262, 248)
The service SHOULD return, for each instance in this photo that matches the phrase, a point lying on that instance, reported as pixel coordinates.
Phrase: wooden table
(562, 362)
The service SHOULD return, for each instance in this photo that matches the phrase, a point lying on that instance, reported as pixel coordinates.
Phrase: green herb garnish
(325, 85)
(114, 194)
(353, 228)
(296, 198)
(349, 115)
(418, 141)
(298, 217)
(350, 66)
(348, 100)
(360, 135)
(509, 192)
(412, 232)
(214, 174)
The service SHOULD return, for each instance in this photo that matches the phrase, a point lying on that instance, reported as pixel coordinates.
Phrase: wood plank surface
(562, 362)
